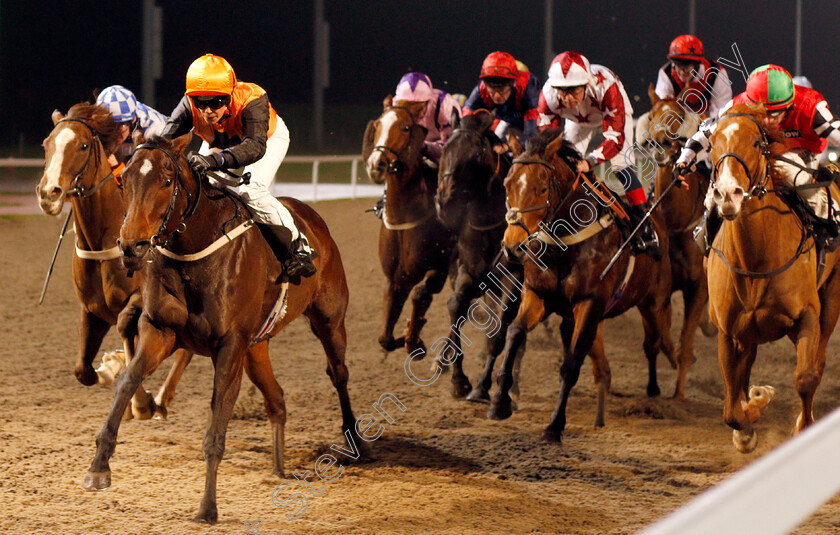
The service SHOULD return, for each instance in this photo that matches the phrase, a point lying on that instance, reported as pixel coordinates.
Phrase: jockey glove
(201, 163)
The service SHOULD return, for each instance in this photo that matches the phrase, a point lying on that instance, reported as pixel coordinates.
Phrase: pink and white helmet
(569, 69)
(414, 87)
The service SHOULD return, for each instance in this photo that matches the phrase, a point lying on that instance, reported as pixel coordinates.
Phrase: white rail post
(354, 177)
(315, 180)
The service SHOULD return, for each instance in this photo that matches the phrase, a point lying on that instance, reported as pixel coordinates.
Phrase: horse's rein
(75, 188)
(514, 214)
(182, 226)
(395, 165)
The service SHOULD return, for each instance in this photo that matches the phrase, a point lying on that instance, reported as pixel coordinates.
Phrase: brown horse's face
(392, 138)
(67, 150)
(149, 182)
(666, 119)
(741, 136)
(464, 165)
(527, 187)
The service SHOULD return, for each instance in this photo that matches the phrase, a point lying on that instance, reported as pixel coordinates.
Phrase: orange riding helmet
(210, 75)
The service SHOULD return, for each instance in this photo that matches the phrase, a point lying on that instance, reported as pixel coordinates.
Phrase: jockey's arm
(255, 119)
(826, 125)
(699, 144)
(615, 119)
(663, 88)
(721, 93)
(180, 120)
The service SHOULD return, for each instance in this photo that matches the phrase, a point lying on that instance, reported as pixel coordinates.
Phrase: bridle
(176, 184)
(757, 186)
(396, 165)
(77, 189)
(514, 214)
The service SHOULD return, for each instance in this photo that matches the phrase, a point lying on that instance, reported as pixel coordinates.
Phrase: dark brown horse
(77, 170)
(215, 305)
(565, 240)
(415, 248)
(763, 276)
(681, 210)
(471, 202)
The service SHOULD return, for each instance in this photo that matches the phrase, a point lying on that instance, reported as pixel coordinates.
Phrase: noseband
(75, 188)
(396, 165)
(177, 184)
(514, 214)
(757, 185)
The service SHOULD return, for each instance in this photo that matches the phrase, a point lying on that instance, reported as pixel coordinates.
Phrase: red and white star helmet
(569, 69)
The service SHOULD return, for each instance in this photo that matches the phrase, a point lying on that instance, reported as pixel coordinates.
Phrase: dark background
(53, 54)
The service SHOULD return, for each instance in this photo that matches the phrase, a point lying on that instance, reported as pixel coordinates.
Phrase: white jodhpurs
(266, 208)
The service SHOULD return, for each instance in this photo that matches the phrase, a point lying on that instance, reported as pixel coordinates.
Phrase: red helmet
(686, 47)
(499, 65)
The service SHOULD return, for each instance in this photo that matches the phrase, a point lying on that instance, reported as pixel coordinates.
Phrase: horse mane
(100, 120)
(536, 146)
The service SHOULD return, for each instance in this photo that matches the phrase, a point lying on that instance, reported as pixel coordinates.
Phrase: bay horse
(681, 210)
(576, 238)
(215, 302)
(764, 281)
(76, 170)
(415, 248)
(471, 203)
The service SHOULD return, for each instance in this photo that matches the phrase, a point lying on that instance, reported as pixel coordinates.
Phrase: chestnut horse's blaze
(762, 283)
(217, 304)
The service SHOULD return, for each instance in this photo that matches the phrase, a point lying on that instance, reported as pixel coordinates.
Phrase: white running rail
(771, 496)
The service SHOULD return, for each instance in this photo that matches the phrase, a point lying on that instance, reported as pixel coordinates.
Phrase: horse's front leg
(458, 305)
(588, 315)
(531, 313)
(153, 347)
(92, 330)
(735, 369)
(695, 296)
(396, 294)
(142, 403)
(167, 390)
(226, 382)
(810, 362)
(421, 299)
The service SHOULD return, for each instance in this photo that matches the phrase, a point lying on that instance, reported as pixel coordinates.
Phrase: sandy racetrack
(441, 468)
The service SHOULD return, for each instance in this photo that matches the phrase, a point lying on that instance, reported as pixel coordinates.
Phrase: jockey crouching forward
(591, 98)
(511, 94)
(803, 116)
(241, 128)
(130, 115)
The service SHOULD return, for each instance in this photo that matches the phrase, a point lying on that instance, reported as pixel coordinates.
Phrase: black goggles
(213, 102)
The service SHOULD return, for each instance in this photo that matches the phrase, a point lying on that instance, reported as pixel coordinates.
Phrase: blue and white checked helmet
(120, 102)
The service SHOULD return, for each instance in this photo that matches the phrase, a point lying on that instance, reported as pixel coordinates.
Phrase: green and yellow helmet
(772, 86)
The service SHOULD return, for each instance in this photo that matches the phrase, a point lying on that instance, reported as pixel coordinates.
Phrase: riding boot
(645, 241)
(379, 207)
(296, 256)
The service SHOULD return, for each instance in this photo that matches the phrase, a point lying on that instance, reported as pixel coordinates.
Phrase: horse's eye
(406, 128)
(756, 144)
(543, 191)
(84, 147)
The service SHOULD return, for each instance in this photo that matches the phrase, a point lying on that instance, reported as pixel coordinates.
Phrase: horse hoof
(552, 436)
(653, 391)
(207, 517)
(161, 412)
(460, 388)
(743, 442)
(413, 345)
(144, 412)
(97, 480)
(500, 410)
(388, 344)
(479, 395)
(87, 376)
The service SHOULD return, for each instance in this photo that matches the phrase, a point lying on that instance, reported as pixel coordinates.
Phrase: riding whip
(635, 230)
(55, 255)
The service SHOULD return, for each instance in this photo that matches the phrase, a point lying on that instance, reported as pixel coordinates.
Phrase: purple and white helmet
(120, 102)
(414, 87)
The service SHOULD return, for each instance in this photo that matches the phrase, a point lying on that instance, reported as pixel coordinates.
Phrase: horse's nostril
(55, 192)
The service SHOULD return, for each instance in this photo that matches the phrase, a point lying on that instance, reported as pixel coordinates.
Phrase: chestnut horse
(415, 248)
(215, 301)
(763, 275)
(576, 238)
(471, 202)
(681, 210)
(76, 169)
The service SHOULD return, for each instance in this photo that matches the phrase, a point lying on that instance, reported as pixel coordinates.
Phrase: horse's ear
(179, 145)
(455, 118)
(554, 146)
(367, 140)
(515, 145)
(417, 109)
(57, 116)
(654, 98)
(138, 138)
(387, 102)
